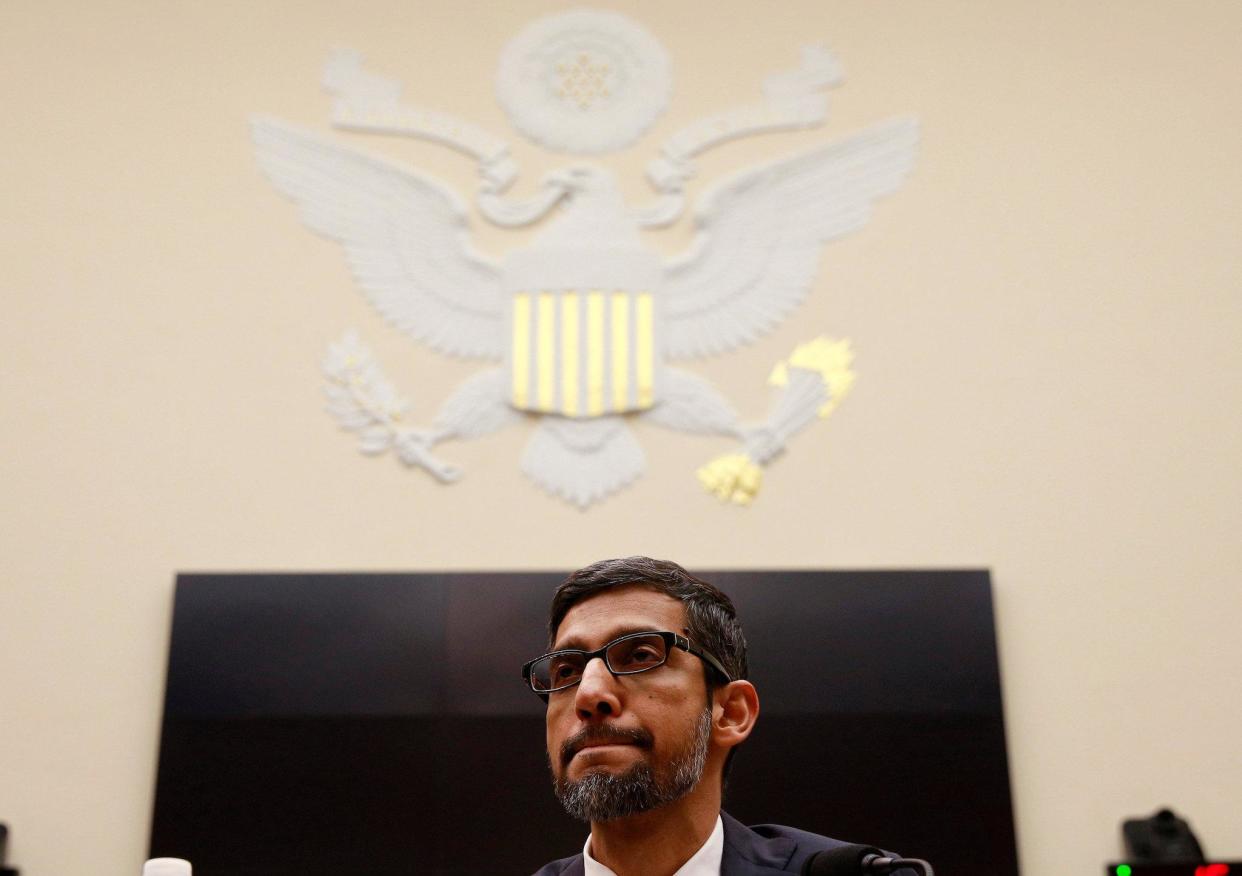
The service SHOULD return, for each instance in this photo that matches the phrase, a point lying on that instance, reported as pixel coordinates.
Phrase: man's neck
(658, 842)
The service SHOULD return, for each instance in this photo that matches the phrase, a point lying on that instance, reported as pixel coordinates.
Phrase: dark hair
(711, 618)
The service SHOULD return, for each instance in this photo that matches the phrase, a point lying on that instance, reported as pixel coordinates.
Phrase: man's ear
(735, 708)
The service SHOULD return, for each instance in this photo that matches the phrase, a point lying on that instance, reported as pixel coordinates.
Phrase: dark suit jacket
(762, 850)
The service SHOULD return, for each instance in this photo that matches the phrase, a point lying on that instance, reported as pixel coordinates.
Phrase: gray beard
(601, 796)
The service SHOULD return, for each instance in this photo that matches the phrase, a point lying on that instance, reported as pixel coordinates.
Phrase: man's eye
(564, 669)
(643, 654)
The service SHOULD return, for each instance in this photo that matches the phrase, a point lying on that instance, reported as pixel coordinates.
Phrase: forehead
(611, 613)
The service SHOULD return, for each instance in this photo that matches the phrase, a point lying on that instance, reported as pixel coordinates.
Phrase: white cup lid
(166, 867)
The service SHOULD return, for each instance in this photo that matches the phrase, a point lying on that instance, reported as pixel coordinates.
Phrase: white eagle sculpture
(586, 324)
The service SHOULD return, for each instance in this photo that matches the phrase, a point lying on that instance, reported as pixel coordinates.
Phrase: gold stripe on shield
(569, 354)
(545, 351)
(620, 350)
(644, 349)
(595, 354)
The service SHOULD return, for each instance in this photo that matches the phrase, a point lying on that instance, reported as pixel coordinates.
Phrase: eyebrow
(576, 643)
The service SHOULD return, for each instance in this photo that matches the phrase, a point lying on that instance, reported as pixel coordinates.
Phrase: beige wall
(1047, 320)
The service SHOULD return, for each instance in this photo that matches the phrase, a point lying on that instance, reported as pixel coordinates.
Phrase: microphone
(853, 860)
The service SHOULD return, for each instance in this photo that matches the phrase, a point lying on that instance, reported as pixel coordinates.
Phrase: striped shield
(583, 353)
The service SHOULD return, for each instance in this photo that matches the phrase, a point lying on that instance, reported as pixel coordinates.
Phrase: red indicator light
(1212, 870)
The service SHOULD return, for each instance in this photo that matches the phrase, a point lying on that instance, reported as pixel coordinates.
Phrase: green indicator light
(1124, 870)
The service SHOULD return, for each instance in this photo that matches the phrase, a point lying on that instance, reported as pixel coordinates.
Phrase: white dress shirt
(704, 862)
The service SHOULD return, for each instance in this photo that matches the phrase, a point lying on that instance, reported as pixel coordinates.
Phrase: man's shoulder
(769, 848)
(563, 867)
(801, 838)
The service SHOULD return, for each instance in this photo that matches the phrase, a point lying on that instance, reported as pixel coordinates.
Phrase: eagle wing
(760, 234)
(405, 236)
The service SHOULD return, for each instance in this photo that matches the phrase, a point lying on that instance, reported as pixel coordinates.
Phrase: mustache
(603, 733)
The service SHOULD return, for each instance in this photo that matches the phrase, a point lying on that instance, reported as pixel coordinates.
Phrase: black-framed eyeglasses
(626, 655)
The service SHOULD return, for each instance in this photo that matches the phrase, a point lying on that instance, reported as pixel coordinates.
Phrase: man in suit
(647, 701)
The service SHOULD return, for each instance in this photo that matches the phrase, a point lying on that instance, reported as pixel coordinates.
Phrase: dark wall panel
(342, 724)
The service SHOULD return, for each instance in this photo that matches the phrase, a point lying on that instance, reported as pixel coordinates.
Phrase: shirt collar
(704, 862)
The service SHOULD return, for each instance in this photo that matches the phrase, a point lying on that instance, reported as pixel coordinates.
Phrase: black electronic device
(1161, 838)
(1207, 868)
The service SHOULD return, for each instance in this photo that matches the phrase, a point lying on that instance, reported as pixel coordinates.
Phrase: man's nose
(598, 694)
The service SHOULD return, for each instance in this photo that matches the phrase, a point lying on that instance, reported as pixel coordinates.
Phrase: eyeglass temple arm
(711, 660)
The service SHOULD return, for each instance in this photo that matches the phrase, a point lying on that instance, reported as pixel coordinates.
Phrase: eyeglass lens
(628, 655)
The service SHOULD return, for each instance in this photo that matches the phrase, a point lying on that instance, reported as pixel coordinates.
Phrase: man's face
(640, 738)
